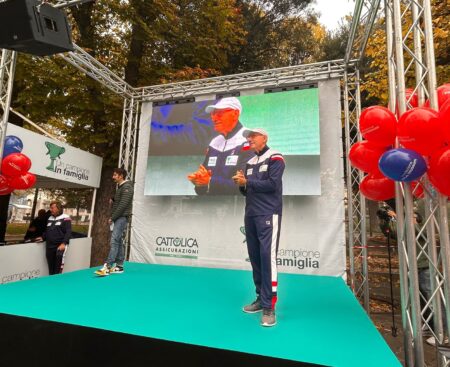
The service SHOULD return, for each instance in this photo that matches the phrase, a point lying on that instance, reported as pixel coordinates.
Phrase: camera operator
(387, 221)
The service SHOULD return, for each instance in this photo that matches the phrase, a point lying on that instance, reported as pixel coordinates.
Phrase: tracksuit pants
(55, 259)
(263, 234)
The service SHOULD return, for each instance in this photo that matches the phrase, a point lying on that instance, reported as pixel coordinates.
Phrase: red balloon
(5, 186)
(15, 164)
(377, 188)
(378, 125)
(443, 94)
(444, 116)
(420, 129)
(24, 181)
(411, 97)
(364, 155)
(439, 170)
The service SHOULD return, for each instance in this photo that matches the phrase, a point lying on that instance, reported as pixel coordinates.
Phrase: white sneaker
(432, 341)
(103, 272)
(116, 270)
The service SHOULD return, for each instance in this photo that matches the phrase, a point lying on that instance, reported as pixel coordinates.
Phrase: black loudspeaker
(27, 26)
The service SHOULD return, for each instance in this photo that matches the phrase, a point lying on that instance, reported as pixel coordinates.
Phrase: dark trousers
(263, 235)
(55, 260)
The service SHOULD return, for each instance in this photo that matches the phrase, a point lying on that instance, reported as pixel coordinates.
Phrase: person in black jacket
(226, 153)
(262, 186)
(57, 236)
(37, 226)
(121, 211)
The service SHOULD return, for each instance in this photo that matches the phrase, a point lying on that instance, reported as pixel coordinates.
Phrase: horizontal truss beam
(280, 77)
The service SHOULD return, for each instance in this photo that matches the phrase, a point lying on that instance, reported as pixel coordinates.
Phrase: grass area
(21, 228)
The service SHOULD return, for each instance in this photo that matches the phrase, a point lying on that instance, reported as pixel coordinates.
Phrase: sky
(333, 10)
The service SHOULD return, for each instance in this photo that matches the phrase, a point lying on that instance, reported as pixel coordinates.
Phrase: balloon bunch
(15, 166)
(425, 138)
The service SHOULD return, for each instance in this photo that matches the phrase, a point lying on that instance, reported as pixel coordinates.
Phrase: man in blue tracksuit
(226, 153)
(261, 184)
(57, 236)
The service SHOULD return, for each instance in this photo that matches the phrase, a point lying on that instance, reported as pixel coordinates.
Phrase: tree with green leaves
(376, 79)
(145, 41)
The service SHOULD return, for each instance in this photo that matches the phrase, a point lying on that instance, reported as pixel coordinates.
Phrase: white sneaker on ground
(432, 341)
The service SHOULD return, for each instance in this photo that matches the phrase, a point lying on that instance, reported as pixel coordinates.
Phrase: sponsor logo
(299, 258)
(409, 169)
(28, 274)
(212, 161)
(177, 247)
(54, 152)
(231, 160)
(242, 229)
(58, 166)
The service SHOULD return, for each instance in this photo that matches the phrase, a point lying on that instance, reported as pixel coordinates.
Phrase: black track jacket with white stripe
(59, 230)
(264, 188)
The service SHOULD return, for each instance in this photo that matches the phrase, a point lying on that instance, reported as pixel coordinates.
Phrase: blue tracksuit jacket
(263, 209)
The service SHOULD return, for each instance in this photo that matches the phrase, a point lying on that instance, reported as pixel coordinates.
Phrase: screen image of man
(226, 153)
(261, 184)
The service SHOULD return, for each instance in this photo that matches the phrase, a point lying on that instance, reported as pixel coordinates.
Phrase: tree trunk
(135, 55)
(373, 219)
(78, 212)
(102, 212)
(4, 206)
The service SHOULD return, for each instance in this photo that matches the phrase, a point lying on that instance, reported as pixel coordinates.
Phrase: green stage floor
(319, 319)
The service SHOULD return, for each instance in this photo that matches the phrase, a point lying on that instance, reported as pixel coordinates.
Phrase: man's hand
(38, 239)
(239, 178)
(62, 247)
(392, 214)
(201, 177)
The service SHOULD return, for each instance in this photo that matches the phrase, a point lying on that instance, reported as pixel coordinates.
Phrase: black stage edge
(31, 342)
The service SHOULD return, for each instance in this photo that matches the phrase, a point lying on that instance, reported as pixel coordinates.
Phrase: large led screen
(184, 139)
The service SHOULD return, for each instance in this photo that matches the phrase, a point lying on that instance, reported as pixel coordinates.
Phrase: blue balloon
(402, 164)
(13, 144)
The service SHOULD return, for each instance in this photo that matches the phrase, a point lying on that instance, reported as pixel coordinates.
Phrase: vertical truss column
(7, 68)
(410, 32)
(128, 139)
(402, 256)
(128, 148)
(356, 204)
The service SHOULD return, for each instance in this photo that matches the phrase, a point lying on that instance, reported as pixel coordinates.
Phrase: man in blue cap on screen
(261, 184)
(226, 153)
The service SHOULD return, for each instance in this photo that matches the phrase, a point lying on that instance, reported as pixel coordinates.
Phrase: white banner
(209, 231)
(28, 261)
(56, 160)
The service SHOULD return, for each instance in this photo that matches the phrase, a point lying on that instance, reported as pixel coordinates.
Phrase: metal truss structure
(407, 52)
(7, 68)
(356, 203)
(88, 65)
(409, 44)
(364, 16)
(363, 19)
(411, 51)
(273, 78)
(67, 3)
